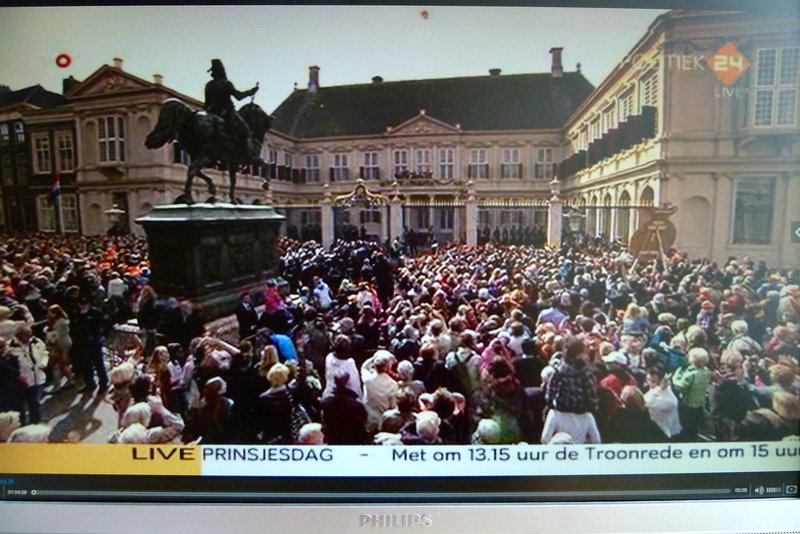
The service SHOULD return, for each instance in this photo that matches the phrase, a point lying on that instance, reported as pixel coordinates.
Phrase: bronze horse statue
(205, 137)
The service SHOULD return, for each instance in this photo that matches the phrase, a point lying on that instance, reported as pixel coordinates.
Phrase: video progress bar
(722, 492)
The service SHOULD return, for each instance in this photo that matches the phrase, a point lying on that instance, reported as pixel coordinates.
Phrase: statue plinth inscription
(209, 252)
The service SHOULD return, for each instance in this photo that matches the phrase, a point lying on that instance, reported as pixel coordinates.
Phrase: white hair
(31, 434)
(488, 431)
(739, 327)
(405, 370)
(310, 434)
(428, 425)
(135, 433)
(138, 413)
(9, 422)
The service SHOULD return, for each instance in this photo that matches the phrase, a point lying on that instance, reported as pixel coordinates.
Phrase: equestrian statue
(216, 136)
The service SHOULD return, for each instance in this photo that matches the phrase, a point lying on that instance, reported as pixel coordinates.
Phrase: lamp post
(114, 214)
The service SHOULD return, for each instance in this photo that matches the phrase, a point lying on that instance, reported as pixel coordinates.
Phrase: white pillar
(385, 223)
(395, 219)
(555, 216)
(327, 224)
(471, 221)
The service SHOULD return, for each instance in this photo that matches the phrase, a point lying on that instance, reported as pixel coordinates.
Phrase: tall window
(479, 163)
(544, 163)
(371, 169)
(69, 213)
(22, 169)
(66, 151)
(370, 215)
(753, 210)
(625, 105)
(310, 217)
(46, 214)
(341, 171)
(19, 132)
(111, 139)
(648, 90)
(510, 167)
(5, 137)
(609, 118)
(776, 87)
(312, 167)
(41, 153)
(422, 161)
(400, 159)
(446, 162)
(594, 130)
(7, 170)
(446, 216)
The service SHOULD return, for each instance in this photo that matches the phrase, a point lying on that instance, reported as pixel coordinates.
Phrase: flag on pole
(55, 188)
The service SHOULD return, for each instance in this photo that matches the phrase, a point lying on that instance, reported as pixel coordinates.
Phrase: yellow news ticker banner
(85, 459)
(447, 460)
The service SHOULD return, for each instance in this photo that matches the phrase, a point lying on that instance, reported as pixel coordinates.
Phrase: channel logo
(728, 63)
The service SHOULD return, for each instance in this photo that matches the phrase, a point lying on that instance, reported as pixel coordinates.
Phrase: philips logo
(394, 520)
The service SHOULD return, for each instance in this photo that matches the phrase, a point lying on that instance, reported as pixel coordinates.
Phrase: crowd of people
(370, 344)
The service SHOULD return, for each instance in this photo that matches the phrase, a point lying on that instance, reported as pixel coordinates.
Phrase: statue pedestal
(210, 252)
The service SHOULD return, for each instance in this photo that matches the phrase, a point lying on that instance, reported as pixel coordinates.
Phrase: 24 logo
(728, 63)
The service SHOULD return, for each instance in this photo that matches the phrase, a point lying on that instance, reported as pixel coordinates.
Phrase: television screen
(451, 268)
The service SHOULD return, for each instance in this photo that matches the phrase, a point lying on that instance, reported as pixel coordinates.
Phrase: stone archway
(646, 199)
(605, 216)
(623, 230)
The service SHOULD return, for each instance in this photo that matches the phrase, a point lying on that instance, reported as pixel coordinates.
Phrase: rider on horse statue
(218, 101)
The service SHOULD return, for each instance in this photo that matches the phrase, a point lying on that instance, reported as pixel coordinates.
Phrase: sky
(275, 45)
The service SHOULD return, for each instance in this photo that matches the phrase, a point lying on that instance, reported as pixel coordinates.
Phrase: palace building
(701, 114)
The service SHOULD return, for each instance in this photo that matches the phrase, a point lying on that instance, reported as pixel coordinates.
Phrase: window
(483, 218)
(505, 217)
(776, 87)
(288, 160)
(479, 167)
(371, 169)
(4, 135)
(400, 159)
(312, 167)
(370, 215)
(446, 162)
(584, 143)
(180, 156)
(510, 167)
(625, 105)
(753, 210)
(272, 155)
(22, 169)
(422, 161)
(648, 90)
(111, 139)
(446, 216)
(8, 170)
(41, 153)
(544, 163)
(310, 217)
(340, 171)
(594, 130)
(19, 132)
(609, 118)
(69, 213)
(46, 214)
(66, 151)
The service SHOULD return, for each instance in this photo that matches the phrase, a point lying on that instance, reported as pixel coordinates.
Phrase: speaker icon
(759, 490)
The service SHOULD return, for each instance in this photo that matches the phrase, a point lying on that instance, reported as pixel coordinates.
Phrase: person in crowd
(209, 420)
(275, 408)
(692, 384)
(32, 357)
(246, 316)
(632, 423)
(772, 424)
(380, 389)
(88, 328)
(11, 388)
(58, 344)
(344, 417)
(661, 402)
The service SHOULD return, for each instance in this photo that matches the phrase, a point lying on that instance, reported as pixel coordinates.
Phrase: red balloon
(63, 60)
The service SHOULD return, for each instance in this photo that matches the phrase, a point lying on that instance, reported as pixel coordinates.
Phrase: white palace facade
(702, 114)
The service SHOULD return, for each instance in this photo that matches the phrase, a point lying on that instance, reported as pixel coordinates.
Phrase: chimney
(313, 78)
(377, 79)
(494, 73)
(158, 79)
(118, 63)
(557, 70)
(68, 83)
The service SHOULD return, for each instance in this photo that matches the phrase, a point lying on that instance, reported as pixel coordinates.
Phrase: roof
(35, 95)
(478, 103)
